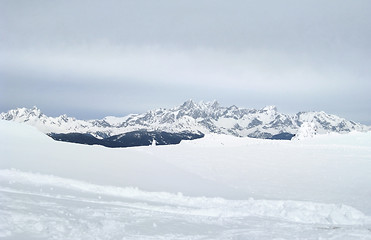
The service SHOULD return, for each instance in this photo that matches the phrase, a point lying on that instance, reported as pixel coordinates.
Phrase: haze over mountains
(185, 122)
(204, 117)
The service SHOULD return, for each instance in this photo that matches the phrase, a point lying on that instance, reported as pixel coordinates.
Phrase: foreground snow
(315, 188)
(52, 207)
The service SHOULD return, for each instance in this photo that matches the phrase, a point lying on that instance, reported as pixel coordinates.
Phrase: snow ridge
(295, 211)
(205, 117)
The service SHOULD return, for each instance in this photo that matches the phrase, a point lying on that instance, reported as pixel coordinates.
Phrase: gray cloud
(91, 58)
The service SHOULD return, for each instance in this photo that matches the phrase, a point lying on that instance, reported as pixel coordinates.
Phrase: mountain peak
(188, 104)
(36, 110)
(209, 105)
(205, 117)
(271, 108)
(214, 104)
(22, 113)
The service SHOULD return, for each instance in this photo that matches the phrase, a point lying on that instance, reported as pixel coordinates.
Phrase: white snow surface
(218, 187)
(306, 130)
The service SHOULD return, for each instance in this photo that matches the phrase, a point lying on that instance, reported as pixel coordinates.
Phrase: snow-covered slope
(218, 187)
(306, 130)
(193, 117)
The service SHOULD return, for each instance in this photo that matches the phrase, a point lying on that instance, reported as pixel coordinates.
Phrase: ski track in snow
(35, 206)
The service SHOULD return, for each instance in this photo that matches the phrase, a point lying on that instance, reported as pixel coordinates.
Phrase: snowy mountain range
(191, 117)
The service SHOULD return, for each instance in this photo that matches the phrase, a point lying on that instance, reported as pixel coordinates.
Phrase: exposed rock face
(203, 117)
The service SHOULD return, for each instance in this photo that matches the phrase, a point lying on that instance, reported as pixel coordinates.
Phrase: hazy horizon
(90, 59)
(96, 116)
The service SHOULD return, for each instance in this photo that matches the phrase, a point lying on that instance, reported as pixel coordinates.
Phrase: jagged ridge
(204, 117)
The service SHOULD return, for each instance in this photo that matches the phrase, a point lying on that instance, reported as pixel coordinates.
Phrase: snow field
(36, 206)
(303, 212)
(218, 187)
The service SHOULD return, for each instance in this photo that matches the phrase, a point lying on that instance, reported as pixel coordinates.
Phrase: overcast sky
(90, 59)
